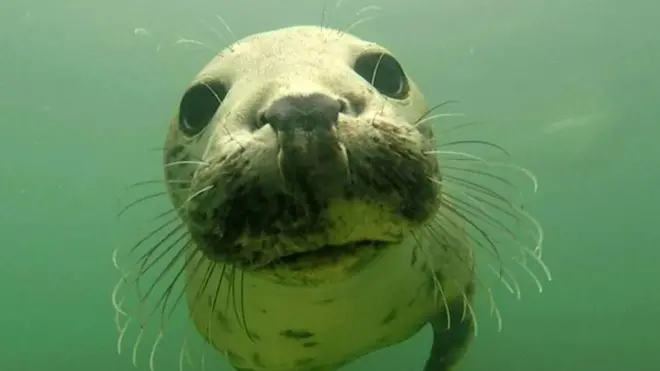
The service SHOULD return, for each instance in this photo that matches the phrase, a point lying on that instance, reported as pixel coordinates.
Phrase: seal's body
(317, 227)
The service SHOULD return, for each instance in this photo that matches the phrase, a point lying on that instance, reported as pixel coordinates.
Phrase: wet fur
(285, 320)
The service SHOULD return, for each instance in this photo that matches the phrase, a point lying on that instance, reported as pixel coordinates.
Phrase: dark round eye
(384, 72)
(198, 106)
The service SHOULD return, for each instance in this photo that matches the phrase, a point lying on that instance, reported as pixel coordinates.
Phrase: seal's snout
(309, 153)
(306, 113)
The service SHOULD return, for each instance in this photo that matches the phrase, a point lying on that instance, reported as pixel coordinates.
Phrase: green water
(571, 88)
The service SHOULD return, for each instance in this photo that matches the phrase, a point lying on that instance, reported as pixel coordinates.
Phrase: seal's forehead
(301, 45)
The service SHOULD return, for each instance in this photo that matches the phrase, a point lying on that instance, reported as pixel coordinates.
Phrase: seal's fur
(304, 173)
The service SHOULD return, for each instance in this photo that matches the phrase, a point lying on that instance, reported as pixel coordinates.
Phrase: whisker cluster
(483, 200)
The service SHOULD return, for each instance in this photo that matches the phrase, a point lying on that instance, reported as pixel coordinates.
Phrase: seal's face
(282, 160)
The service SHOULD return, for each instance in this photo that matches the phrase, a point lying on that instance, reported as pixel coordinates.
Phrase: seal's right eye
(198, 106)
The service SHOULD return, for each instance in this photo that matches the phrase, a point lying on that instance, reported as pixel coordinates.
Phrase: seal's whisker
(482, 142)
(232, 300)
(216, 32)
(229, 30)
(147, 264)
(183, 353)
(184, 41)
(136, 345)
(170, 288)
(157, 181)
(186, 162)
(494, 310)
(431, 110)
(357, 23)
(139, 201)
(531, 274)
(161, 149)
(436, 283)
(373, 75)
(503, 272)
(152, 354)
(462, 205)
(485, 196)
(514, 167)
(475, 192)
(448, 155)
(164, 297)
(184, 204)
(443, 131)
(476, 186)
(122, 334)
(536, 252)
(476, 227)
(438, 116)
(153, 233)
(217, 98)
(214, 300)
(487, 218)
(482, 202)
(473, 315)
(242, 305)
(116, 302)
(334, 13)
(537, 258)
(513, 286)
(368, 8)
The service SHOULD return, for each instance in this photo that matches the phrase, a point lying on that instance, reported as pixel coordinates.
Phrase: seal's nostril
(261, 119)
(343, 106)
(306, 112)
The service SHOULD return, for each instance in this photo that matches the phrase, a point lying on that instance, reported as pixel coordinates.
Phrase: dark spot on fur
(413, 258)
(310, 344)
(376, 176)
(234, 358)
(256, 358)
(469, 290)
(327, 301)
(222, 321)
(389, 317)
(296, 334)
(264, 311)
(304, 362)
(412, 302)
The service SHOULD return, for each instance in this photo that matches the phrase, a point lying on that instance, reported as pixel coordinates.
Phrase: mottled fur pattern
(382, 181)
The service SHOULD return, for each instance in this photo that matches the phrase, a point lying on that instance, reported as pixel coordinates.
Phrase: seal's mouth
(327, 254)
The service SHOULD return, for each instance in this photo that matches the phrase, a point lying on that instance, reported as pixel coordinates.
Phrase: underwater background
(570, 88)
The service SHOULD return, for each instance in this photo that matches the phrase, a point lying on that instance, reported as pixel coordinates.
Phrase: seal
(312, 218)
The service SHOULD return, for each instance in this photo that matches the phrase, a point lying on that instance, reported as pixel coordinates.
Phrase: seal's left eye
(198, 106)
(384, 72)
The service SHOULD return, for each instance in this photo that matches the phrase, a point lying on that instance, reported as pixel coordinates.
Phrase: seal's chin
(327, 255)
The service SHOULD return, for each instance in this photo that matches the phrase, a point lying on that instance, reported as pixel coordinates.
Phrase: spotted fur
(230, 193)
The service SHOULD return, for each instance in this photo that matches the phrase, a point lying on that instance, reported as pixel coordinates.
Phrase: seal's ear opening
(198, 106)
(384, 72)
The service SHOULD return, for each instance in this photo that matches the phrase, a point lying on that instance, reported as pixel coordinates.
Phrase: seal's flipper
(450, 342)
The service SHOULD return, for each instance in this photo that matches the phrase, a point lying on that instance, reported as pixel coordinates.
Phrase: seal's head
(302, 152)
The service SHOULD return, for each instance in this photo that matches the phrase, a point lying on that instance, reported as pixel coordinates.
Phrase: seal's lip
(329, 251)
